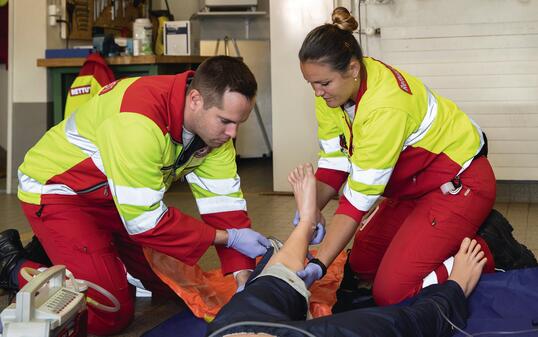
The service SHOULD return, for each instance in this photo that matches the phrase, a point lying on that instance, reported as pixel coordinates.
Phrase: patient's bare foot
(303, 182)
(468, 264)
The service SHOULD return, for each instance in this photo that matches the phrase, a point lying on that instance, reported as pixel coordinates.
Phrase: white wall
(294, 121)
(30, 42)
(27, 92)
(483, 54)
(3, 106)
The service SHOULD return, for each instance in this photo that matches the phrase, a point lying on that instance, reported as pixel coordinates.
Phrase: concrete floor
(271, 215)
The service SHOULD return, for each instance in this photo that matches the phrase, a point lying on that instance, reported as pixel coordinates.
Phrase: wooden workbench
(64, 70)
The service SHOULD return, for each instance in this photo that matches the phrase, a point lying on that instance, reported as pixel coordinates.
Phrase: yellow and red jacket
(404, 140)
(93, 75)
(125, 146)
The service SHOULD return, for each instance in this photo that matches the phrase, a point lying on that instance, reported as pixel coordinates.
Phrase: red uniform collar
(176, 107)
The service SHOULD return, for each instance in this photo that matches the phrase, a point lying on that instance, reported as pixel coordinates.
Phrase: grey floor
(271, 215)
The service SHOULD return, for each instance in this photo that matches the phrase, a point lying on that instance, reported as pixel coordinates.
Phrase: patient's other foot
(468, 264)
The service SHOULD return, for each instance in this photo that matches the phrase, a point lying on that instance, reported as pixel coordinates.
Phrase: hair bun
(343, 19)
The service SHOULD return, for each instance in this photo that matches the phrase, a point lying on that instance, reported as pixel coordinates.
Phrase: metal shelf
(245, 14)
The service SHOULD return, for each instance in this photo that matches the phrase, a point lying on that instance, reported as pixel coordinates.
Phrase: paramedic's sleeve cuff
(346, 208)
(230, 259)
(333, 178)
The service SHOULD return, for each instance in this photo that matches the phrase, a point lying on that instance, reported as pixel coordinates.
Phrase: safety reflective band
(216, 186)
(482, 141)
(360, 201)
(330, 145)
(82, 143)
(426, 123)
(30, 185)
(335, 163)
(370, 176)
(220, 204)
(135, 196)
(146, 221)
(431, 278)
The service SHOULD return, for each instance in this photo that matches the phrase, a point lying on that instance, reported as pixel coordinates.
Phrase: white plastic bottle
(142, 37)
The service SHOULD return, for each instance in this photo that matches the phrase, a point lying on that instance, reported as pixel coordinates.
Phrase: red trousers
(93, 244)
(405, 240)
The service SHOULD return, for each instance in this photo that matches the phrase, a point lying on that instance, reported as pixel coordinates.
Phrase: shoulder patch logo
(108, 87)
(400, 79)
(77, 91)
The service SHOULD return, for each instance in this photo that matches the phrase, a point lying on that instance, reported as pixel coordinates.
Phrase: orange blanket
(205, 292)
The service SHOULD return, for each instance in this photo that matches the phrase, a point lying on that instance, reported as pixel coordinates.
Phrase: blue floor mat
(184, 324)
(501, 302)
(505, 302)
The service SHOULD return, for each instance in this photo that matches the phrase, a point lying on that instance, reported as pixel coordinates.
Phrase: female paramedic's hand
(247, 242)
(319, 232)
(310, 274)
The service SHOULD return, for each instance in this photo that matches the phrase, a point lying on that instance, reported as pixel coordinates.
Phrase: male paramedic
(92, 188)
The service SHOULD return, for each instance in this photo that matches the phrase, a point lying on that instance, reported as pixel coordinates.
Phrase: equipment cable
(516, 332)
(29, 273)
(261, 324)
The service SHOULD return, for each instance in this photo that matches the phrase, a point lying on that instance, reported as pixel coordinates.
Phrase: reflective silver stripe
(145, 221)
(30, 185)
(217, 186)
(482, 141)
(82, 143)
(335, 163)
(370, 176)
(449, 264)
(430, 279)
(136, 196)
(330, 145)
(220, 204)
(427, 121)
(359, 200)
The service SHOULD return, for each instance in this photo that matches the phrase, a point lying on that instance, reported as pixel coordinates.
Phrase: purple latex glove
(310, 274)
(319, 232)
(247, 242)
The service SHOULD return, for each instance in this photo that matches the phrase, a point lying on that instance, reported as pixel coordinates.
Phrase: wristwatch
(321, 265)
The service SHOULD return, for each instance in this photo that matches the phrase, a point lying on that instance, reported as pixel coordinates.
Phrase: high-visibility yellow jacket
(125, 146)
(93, 75)
(404, 140)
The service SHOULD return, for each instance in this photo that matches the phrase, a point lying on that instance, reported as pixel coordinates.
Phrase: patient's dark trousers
(269, 299)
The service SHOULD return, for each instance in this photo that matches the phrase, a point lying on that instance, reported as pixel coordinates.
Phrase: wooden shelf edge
(122, 60)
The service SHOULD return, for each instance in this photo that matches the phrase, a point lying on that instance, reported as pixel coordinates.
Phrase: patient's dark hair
(219, 74)
(333, 43)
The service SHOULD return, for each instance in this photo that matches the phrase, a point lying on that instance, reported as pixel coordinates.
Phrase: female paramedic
(382, 132)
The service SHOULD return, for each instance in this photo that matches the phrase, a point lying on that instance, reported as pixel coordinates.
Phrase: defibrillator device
(45, 307)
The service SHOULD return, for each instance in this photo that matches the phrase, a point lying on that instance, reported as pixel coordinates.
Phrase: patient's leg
(278, 294)
(293, 252)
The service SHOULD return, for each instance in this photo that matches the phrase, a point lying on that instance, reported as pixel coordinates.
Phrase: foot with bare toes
(468, 265)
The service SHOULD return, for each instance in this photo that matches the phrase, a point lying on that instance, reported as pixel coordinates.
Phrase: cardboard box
(177, 38)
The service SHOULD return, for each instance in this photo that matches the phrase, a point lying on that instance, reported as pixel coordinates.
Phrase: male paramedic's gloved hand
(319, 232)
(247, 242)
(310, 274)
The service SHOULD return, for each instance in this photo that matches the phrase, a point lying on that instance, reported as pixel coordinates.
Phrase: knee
(364, 267)
(389, 292)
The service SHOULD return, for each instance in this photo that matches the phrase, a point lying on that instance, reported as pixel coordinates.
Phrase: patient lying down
(275, 302)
